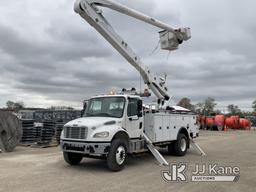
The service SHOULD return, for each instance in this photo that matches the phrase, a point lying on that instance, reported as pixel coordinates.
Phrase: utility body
(116, 125)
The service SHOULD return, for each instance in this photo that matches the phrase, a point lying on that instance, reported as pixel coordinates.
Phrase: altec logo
(201, 173)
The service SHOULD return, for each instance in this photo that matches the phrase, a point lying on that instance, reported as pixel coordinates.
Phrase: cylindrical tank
(244, 123)
(233, 122)
(202, 121)
(198, 119)
(229, 122)
(209, 121)
(219, 122)
(236, 121)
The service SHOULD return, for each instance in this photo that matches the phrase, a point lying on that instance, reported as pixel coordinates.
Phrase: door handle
(133, 119)
(140, 125)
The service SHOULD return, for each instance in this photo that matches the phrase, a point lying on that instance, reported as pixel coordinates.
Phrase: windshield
(105, 107)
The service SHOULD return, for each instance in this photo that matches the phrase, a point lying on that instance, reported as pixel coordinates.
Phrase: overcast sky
(50, 56)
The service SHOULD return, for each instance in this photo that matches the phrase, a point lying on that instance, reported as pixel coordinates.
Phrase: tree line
(16, 106)
(208, 107)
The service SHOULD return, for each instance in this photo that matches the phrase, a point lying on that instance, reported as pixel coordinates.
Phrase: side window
(132, 107)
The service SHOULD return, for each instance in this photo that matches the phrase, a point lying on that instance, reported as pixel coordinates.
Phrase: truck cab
(106, 118)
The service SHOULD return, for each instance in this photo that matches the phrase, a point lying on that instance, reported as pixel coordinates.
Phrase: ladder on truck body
(154, 151)
(158, 155)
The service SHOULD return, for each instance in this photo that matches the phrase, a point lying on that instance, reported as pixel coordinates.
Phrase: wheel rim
(183, 144)
(120, 155)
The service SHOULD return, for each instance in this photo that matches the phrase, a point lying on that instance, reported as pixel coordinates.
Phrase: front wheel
(117, 155)
(72, 158)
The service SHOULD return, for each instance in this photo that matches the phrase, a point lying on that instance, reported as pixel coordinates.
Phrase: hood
(90, 121)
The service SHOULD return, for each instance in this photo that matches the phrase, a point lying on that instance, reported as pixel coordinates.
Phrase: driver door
(134, 118)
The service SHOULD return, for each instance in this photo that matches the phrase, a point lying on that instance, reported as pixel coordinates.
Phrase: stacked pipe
(28, 136)
(45, 126)
(47, 132)
(58, 128)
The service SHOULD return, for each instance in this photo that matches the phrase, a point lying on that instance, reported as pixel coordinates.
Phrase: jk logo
(176, 173)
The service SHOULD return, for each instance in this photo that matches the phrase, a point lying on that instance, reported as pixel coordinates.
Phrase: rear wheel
(180, 146)
(117, 155)
(72, 158)
(171, 148)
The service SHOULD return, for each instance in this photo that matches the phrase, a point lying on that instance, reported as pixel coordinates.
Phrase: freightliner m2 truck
(116, 125)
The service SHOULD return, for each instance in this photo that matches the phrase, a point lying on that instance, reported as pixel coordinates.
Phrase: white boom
(169, 38)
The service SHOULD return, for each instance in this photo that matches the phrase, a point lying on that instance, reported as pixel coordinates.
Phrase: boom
(169, 38)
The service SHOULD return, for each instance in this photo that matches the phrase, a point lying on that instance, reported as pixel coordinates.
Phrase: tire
(170, 148)
(72, 158)
(117, 155)
(180, 146)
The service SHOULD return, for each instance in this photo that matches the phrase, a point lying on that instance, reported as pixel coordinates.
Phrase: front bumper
(86, 148)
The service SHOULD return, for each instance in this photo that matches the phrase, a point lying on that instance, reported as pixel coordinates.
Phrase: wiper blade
(99, 114)
(103, 114)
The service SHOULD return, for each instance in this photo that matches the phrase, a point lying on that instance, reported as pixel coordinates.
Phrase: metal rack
(45, 126)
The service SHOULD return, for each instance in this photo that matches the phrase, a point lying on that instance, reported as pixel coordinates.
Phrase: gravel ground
(33, 169)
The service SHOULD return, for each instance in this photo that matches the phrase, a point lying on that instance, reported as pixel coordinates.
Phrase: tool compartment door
(166, 128)
(173, 127)
(158, 127)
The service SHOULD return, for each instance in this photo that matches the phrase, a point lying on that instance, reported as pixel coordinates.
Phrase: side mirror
(84, 107)
(139, 107)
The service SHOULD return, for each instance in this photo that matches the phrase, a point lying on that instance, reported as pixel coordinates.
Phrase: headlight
(101, 134)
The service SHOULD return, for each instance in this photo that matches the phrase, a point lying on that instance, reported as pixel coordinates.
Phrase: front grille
(76, 132)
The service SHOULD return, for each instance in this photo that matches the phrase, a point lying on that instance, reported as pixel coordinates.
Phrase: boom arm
(169, 37)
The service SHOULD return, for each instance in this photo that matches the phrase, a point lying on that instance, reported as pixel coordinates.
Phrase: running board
(196, 146)
(154, 151)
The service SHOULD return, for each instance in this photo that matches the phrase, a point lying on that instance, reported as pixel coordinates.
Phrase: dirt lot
(30, 169)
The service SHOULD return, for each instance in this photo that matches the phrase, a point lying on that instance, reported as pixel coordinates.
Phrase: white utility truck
(116, 125)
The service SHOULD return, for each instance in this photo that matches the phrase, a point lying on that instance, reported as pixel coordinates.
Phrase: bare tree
(186, 103)
(15, 105)
(234, 109)
(254, 106)
(206, 107)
